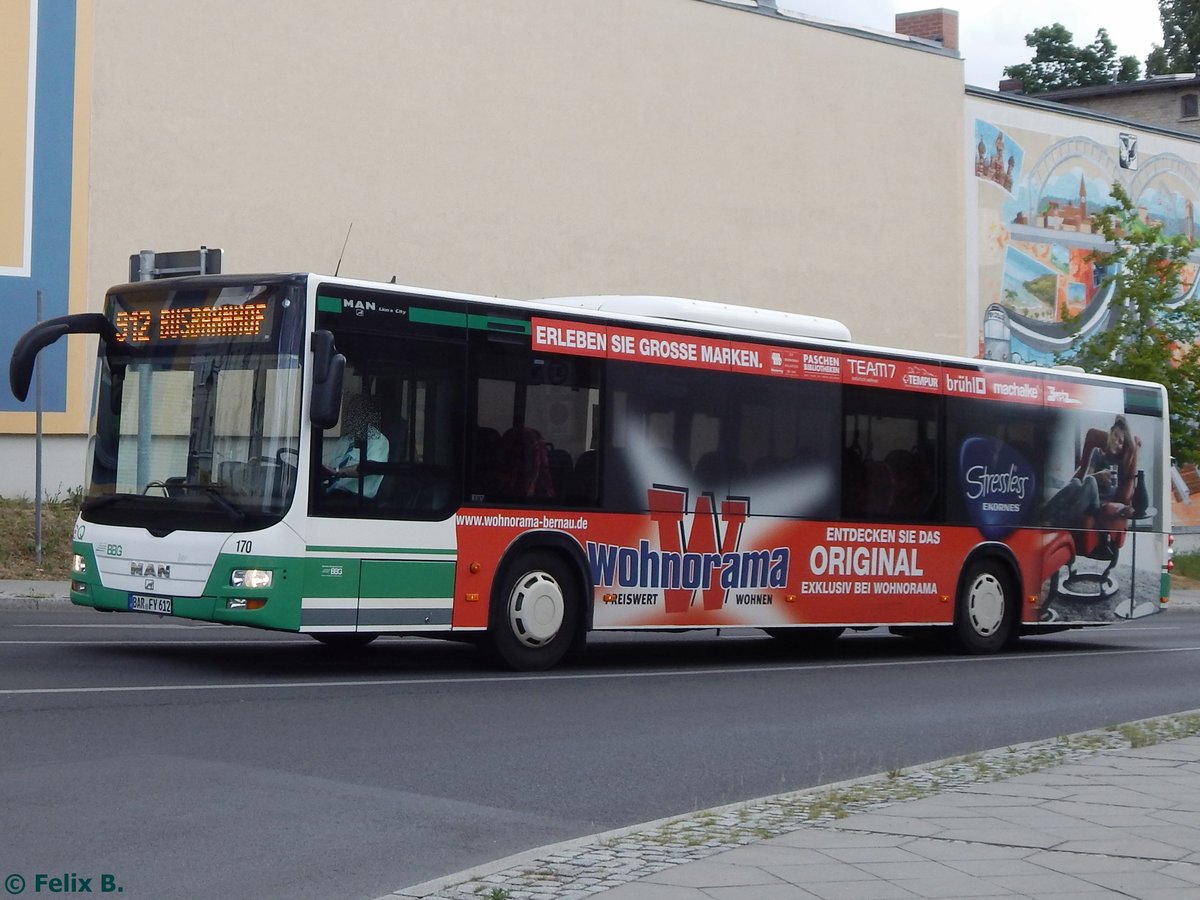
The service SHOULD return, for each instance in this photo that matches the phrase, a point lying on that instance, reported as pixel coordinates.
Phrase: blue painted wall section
(51, 238)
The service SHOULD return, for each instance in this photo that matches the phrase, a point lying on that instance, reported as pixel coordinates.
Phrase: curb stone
(590, 865)
(34, 594)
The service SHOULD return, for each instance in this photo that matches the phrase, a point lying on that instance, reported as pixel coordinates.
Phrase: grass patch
(1187, 565)
(17, 539)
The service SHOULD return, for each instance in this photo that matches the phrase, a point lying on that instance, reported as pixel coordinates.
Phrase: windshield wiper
(213, 492)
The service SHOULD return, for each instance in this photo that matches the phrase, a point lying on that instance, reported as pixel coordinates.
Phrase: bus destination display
(192, 323)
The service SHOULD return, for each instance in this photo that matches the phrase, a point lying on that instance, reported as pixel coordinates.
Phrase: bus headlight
(78, 565)
(256, 579)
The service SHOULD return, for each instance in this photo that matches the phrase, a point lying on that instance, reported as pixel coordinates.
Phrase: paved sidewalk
(1107, 819)
(1122, 824)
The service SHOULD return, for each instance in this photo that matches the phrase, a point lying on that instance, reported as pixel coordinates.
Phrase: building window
(1189, 106)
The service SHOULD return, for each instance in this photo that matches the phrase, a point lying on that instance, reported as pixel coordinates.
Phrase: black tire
(983, 613)
(345, 640)
(535, 613)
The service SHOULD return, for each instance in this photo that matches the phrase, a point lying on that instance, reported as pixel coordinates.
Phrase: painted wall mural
(1038, 193)
(1038, 199)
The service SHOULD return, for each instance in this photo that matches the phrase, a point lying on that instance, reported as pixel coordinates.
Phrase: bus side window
(536, 415)
(889, 465)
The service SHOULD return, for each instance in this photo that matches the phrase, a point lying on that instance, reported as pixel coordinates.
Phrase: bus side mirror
(43, 334)
(328, 368)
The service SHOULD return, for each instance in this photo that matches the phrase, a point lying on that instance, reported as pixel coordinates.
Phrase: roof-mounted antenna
(343, 253)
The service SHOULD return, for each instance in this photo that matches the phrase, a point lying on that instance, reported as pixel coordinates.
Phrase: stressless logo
(997, 484)
(704, 559)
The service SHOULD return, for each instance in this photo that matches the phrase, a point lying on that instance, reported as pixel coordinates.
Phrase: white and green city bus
(349, 459)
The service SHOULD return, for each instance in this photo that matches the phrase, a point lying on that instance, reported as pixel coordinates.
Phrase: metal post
(37, 452)
(145, 392)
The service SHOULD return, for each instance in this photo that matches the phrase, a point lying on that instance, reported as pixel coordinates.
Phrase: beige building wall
(528, 148)
(521, 148)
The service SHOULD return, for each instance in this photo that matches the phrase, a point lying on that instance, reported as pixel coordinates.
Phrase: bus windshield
(197, 419)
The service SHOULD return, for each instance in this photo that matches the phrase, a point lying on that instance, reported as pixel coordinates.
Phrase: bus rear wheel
(535, 614)
(983, 619)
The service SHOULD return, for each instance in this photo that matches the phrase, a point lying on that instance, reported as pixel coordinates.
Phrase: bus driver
(360, 424)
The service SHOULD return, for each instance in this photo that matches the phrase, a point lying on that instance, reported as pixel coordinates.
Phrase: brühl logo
(703, 560)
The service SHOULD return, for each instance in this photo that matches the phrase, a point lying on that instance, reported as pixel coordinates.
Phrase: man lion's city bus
(348, 460)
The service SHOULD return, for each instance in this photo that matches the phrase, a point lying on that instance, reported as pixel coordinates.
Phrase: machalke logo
(705, 559)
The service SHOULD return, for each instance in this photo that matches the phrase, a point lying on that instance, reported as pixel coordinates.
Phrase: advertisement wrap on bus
(697, 558)
(352, 460)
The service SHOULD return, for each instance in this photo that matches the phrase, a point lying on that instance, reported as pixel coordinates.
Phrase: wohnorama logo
(705, 559)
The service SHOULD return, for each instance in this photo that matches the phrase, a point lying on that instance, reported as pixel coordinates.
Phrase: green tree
(1058, 63)
(1151, 335)
(1180, 49)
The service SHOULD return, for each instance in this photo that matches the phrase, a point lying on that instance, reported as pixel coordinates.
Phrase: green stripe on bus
(329, 304)
(331, 578)
(382, 578)
(463, 320)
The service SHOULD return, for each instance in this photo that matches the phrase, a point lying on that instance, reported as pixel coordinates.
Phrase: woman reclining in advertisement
(1096, 503)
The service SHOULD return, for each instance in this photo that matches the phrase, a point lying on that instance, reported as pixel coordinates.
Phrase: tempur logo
(704, 558)
(920, 378)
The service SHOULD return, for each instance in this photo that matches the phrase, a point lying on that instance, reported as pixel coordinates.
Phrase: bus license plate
(145, 603)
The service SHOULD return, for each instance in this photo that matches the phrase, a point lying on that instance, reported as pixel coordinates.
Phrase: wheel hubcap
(535, 609)
(985, 605)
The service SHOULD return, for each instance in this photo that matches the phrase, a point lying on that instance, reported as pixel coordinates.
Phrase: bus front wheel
(983, 616)
(535, 614)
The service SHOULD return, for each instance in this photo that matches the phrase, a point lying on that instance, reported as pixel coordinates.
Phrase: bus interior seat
(584, 479)
(396, 432)
(392, 487)
(524, 464)
(562, 469)
(880, 487)
(486, 461)
(907, 492)
(717, 467)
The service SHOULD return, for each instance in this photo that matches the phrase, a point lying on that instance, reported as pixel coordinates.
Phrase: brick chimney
(939, 25)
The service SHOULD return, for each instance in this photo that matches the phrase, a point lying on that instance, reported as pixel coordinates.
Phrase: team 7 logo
(705, 560)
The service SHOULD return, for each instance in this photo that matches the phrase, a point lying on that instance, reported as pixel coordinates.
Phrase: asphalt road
(189, 760)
